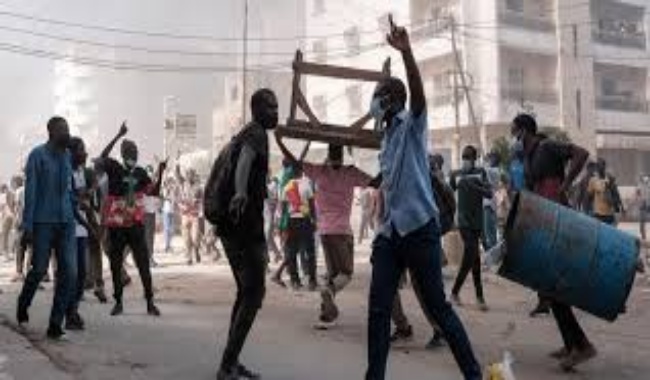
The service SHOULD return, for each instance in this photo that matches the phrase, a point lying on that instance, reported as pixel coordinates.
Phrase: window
(320, 107)
(353, 94)
(320, 50)
(352, 40)
(234, 93)
(442, 82)
(443, 88)
(515, 5)
(516, 78)
(608, 87)
(319, 7)
(515, 86)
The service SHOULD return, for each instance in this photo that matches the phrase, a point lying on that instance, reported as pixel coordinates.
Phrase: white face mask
(376, 110)
(129, 163)
(468, 164)
(516, 145)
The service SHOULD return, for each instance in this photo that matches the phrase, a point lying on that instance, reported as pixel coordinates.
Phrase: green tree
(501, 145)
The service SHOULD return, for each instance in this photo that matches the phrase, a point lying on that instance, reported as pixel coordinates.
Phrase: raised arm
(109, 148)
(398, 38)
(160, 173)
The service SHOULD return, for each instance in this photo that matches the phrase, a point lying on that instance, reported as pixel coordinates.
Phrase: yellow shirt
(602, 203)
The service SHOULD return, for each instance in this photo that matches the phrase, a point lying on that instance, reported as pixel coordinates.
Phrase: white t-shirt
(168, 206)
(298, 193)
(20, 204)
(3, 202)
(80, 185)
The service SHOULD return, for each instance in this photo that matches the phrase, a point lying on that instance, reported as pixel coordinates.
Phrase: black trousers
(248, 264)
(471, 262)
(573, 336)
(300, 240)
(135, 238)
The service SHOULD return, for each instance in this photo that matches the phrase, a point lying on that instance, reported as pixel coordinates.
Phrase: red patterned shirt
(127, 188)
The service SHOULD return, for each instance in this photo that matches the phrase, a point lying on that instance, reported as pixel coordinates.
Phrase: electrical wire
(160, 34)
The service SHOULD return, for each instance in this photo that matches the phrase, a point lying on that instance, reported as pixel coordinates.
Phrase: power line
(143, 49)
(126, 65)
(82, 41)
(154, 67)
(160, 34)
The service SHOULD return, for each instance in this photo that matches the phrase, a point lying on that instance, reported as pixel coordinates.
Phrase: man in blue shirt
(409, 236)
(516, 170)
(49, 223)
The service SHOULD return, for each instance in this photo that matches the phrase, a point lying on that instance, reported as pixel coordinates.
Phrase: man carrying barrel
(546, 161)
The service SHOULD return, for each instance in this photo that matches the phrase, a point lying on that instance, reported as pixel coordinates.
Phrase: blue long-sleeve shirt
(48, 188)
(408, 196)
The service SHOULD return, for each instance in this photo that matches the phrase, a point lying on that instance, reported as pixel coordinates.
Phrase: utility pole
(244, 78)
(460, 71)
(455, 73)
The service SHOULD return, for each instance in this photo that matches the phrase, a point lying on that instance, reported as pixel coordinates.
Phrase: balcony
(621, 103)
(524, 95)
(622, 38)
(526, 21)
(429, 29)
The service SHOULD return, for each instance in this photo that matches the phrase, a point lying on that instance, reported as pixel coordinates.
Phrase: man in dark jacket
(472, 186)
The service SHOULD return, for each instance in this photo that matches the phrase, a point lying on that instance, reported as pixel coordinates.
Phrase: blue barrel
(569, 256)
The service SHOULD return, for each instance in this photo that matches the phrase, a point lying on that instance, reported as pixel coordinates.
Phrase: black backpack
(446, 201)
(219, 188)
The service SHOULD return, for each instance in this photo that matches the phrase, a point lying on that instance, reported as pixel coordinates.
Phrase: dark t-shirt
(127, 188)
(252, 222)
(119, 178)
(470, 198)
(547, 161)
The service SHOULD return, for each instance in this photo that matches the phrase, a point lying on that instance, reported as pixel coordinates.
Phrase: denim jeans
(168, 226)
(78, 292)
(420, 252)
(150, 232)
(644, 212)
(301, 241)
(490, 228)
(60, 239)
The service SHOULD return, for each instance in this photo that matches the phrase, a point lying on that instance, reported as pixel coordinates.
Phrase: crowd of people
(63, 211)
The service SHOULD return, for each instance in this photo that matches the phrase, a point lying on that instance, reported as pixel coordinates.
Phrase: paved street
(186, 341)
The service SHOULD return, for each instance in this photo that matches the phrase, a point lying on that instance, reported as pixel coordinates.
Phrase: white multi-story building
(578, 65)
(275, 31)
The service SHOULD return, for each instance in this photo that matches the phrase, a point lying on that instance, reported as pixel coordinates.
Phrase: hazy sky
(27, 99)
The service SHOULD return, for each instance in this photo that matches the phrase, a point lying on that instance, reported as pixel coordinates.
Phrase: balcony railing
(522, 95)
(636, 40)
(622, 103)
(522, 20)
